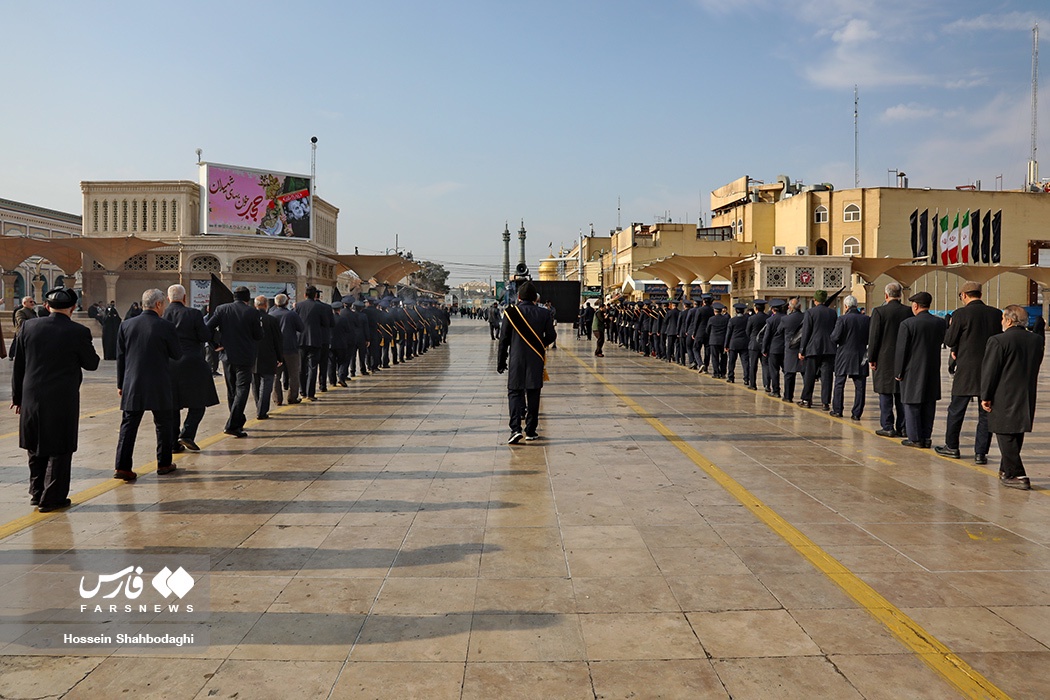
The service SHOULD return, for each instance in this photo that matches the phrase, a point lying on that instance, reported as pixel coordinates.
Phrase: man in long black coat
(772, 346)
(699, 331)
(789, 328)
(736, 344)
(268, 359)
(850, 335)
(291, 326)
(918, 368)
(316, 317)
(145, 344)
(192, 385)
(967, 336)
(755, 323)
(526, 332)
(818, 351)
(241, 329)
(885, 325)
(715, 338)
(45, 393)
(1009, 376)
(359, 334)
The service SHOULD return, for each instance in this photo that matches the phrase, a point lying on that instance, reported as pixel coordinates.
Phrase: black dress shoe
(1014, 482)
(48, 507)
(946, 451)
(805, 404)
(236, 433)
(826, 407)
(832, 413)
(189, 445)
(262, 416)
(980, 459)
(34, 501)
(909, 443)
(886, 433)
(927, 444)
(177, 448)
(856, 418)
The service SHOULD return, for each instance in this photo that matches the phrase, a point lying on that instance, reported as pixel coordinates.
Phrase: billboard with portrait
(246, 201)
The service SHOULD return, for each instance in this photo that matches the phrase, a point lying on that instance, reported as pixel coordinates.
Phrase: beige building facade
(35, 275)
(169, 211)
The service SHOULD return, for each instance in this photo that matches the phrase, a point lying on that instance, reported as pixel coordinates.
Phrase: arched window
(821, 247)
(851, 246)
(739, 227)
(851, 213)
(820, 215)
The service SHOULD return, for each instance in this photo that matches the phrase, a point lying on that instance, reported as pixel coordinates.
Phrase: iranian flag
(945, 240)
(953, 241)
(964, 237)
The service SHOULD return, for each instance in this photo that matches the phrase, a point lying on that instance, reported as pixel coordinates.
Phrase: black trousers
(1010, 447)
(789, 385)
(524, 404)
(717, 359)
(670, 347)
(309, 366)
(731, 365)
(823, 365)
(956, 413)
(776, 365)
(600, 341)
(129, 430)
(838, 399)
(887, 404)
(323, 361)
(238, 386)
(194, 416)
(49, 477)
(918, 420)
(756, 358)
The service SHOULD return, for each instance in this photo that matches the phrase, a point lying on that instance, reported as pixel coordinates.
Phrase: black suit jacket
(241, 328)
(817, 325)
(270, 345)
(191, 380)
(967, 336)
(1008, 379)
(525, 367)
(316, 317)
(736, 334)
(918, 361)
(885, 325)
(49, 357)
(145, 343)
(850, 335)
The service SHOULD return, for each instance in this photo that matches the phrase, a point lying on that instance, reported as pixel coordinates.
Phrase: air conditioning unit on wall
(802, 250)
(779, 250)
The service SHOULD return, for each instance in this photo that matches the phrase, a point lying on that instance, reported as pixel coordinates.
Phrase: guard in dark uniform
(192, 386)
(526, 332)
(699, 332)
(45, 393)
(790, 329)
(771, 344)
(736, 344)
(715, 339)
(918, 368)
(755, 323)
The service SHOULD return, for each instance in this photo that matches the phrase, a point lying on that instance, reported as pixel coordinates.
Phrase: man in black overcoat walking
(268, 360)
(850, 336)
(967, 336)
(818, 351)
(316, 317)
(145, 344)
(526, 332)
(885, 325)
(45, 393)
(771, 346)
(1009, 375)
(755, 323)
(192, 385)
(918, 368)
(791, 327)
(241, 329)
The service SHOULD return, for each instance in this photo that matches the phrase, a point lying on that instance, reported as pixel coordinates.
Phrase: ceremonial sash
(535, 343)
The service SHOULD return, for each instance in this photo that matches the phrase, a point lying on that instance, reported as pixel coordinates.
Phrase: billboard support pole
(313, 182)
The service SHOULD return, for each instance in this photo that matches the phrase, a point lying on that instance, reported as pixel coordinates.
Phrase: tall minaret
(521, 239)
(506, 251)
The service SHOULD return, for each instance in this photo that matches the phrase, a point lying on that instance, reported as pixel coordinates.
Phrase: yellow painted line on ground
(931, 651)
(35, 517)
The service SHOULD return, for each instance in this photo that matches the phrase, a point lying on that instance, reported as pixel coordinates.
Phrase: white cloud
(856, 31)
(908, 112)
(965, 83)
(1010, 21)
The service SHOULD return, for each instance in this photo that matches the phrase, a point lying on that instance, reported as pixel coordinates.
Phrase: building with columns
(35, 275)
(168, 212)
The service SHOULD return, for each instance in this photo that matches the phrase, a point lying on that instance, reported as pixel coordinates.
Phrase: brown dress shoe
(166, 469)
(126, 475)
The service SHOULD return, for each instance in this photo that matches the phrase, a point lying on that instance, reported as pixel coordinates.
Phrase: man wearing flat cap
(45, 393)
(918, 369)
(241, 330)
(526, 331)
(755, 323)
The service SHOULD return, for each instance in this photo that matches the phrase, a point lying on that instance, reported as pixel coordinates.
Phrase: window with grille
(94, 214)
(174, 215)
(776, 276)
(252, 266)
(805, 277)
(96, 265)
(124, 215)
(832, 277)
(105, 215)
(166, 262)
(153, 217)
(135, 262)
(163, 215)
(204, 263)
(134, 215)
(851, 246)
(286, 268)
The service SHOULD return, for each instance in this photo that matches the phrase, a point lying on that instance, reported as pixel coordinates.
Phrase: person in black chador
(110, 326)
(526, 332)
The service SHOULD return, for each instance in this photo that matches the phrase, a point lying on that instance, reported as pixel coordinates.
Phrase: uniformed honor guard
(45, 393)
(736, 344)
(526, 332)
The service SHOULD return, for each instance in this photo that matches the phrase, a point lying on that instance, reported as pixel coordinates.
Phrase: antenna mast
(856, 138)
(1033, 164)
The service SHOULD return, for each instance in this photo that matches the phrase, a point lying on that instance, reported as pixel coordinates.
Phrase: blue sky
(439, 121)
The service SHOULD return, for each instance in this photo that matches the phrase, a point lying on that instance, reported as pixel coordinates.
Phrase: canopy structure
(685, 268)
(110, 253)
(978, 273)
(1039, 275)
(381, 268)
(907, 274)
(15, 249)
(872, 268)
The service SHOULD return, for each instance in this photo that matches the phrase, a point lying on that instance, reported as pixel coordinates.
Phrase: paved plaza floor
(669, 536)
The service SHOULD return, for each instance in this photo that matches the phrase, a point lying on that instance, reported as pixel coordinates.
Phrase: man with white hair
(288, 373)
(850, 336)
(192, 385)
(145, 344)
(886, 321)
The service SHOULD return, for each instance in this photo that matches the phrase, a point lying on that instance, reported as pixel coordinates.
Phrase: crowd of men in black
(993, 357)
(265, 348)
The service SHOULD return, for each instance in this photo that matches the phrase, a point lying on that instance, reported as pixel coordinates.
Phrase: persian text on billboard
(257, 202)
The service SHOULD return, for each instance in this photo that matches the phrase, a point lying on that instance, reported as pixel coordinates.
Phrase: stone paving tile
(385, 542)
